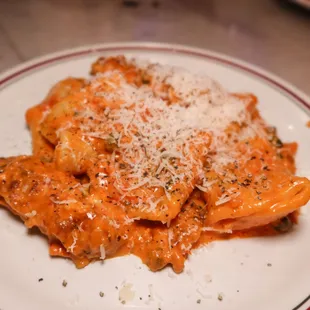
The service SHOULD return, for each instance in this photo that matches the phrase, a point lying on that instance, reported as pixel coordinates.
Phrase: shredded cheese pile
(158, 141)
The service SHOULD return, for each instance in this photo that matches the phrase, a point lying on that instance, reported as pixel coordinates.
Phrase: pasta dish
(150, 160)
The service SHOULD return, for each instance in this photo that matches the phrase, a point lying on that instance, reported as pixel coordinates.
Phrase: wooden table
(262, 32)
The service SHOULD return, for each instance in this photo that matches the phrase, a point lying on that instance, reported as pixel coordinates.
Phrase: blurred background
(273, 34)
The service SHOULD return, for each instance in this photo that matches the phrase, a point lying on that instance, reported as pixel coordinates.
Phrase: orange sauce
(57, 189)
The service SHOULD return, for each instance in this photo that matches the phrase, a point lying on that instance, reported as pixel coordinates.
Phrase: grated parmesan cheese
(73, 245)
(170, 237)
(31, 214)
(114, 224)
(126, 293)
(159, 143)
(63, 202)
(102, 252)
(129, 221)
(225, 231)
(223, 199)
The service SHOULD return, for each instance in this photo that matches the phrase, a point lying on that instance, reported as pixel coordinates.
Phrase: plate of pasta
(152, 176)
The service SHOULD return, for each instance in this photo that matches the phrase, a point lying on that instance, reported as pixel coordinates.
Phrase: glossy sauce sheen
(75, 187)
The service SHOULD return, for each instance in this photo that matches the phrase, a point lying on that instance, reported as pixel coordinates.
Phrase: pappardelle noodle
(150, 160)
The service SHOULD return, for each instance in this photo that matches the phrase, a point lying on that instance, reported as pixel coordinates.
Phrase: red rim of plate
(174, 49)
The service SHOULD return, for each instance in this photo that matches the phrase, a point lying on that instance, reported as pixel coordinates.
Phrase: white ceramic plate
(236, 269)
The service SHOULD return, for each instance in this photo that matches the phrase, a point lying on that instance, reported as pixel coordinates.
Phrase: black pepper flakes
(198, 301)
(40, 280)
(269, 265)
(64, 283)
(246, 182)
(101, 294)
(278, 143)
(283, 225)
(122, 166)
